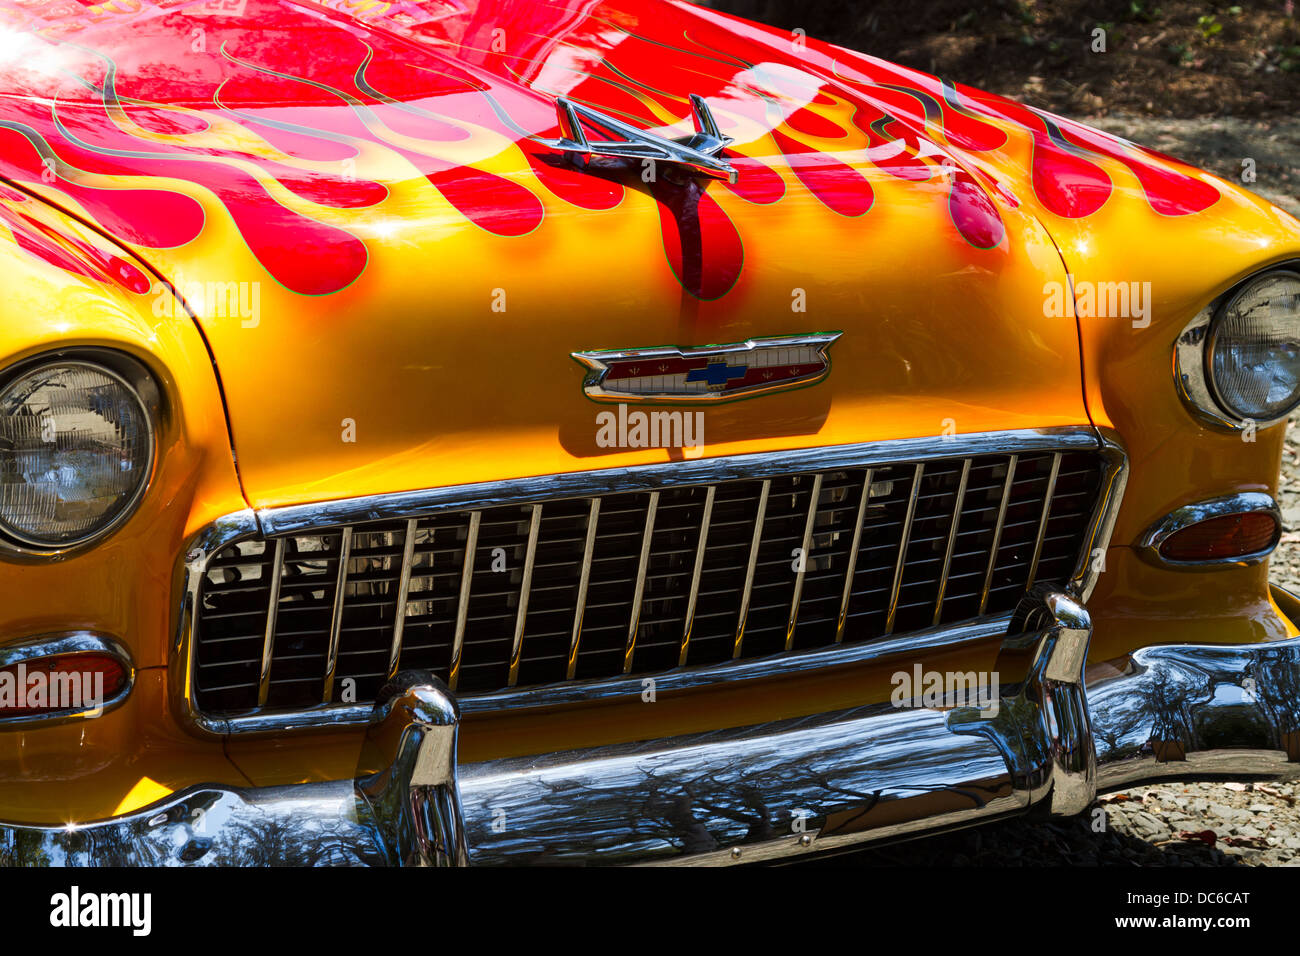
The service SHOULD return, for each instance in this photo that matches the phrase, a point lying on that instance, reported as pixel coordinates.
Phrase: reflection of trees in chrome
(276, 840)
(250, 837)
(1276, 675)
(701, 812)
(692, 813)
(1129, 714)
(23, 848)
(1200, 698)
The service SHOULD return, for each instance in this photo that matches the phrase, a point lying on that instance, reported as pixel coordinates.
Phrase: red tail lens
(63, 683)
(1222, 538)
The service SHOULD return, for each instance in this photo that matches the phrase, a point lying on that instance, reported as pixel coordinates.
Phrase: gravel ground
(1222, 145)
(1207, 823)
(1285, 565)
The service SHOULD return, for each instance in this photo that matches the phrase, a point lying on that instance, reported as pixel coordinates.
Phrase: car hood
(392, 268)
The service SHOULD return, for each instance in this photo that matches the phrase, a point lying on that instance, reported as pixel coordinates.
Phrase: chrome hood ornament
(698, 152)
(712, 373)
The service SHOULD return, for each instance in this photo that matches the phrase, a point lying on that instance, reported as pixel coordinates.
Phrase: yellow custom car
(607, 431)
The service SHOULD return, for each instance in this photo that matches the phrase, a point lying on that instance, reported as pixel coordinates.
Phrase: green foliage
(1142, 12)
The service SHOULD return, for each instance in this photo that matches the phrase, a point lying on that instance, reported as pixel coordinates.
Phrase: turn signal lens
(1222, 538)
(68, 683)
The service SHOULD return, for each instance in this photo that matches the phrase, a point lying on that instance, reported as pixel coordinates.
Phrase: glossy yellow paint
(83, 771)
(124, 585)
(444, 382)
(444, 389)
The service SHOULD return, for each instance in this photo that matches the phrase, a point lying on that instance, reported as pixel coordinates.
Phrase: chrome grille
(628, 583)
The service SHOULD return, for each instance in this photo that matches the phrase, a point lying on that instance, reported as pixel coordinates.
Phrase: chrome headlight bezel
(1194, 357)
(143, 388)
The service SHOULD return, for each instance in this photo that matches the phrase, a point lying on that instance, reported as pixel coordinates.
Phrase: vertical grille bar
(525, 585)
(904, 541)
(639, 592)
(749, 571)
(274, 615)
(806, 544)
(268, 643)
(695, 575)
(403, 589)
(1042, 521)
(588, 548)
(336, 617)
(462, 608)
(952, 539)
(852, 565)
(997, 531)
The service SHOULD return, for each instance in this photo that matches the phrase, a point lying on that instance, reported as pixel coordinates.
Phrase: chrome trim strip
(1184, 516)
(701, 471)
(462, 606)
(43, 646)
(635, 623)
(336, 618)
(403, 592)
(239, 525)
(904, 541)
(272, 616)
(850, 569)
(571, 693)
(805, 546)
(580, 608)
(525, 585)
(759, 517)
(1114, 478)
(997, 531)
(695, 574)
(775, 665)
(187, 581)
(952, 540)
(1043, 519)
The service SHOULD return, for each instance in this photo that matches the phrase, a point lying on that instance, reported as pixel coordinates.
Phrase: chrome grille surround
(350, 520)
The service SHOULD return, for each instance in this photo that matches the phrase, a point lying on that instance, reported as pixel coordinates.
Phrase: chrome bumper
(763, 792)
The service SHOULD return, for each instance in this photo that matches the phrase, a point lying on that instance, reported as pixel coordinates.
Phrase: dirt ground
(1166, 58)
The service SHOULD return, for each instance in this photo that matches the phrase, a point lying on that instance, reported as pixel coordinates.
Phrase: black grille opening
(742, 568)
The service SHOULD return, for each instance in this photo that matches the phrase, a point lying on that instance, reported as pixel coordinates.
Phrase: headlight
(1237, 363)
(1253, 355)
(76, 451)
